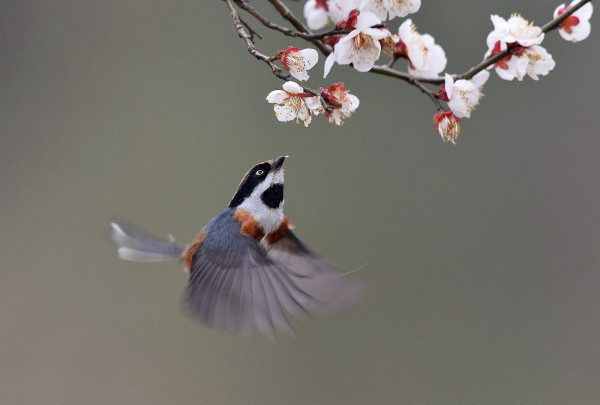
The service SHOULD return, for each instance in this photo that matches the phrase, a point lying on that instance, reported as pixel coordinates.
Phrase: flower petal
(311, 57)
(313, 103)
(329, 63)
(448, 84)
(285, 112)
(292, 87)
(480, 78)
(277, 97)
(367, 19)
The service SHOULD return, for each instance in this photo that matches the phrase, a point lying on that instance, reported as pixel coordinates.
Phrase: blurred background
(482, 259)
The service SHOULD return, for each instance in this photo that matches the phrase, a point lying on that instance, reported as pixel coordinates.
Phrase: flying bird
(247, 268)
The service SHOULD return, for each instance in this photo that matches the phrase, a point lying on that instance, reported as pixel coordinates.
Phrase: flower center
(296, 60)
(362, 41)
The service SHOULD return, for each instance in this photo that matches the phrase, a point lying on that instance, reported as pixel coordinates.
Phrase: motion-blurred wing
(331, 289)
(243, 289)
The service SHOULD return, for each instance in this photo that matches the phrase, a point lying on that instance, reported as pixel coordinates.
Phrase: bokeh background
(482, 259)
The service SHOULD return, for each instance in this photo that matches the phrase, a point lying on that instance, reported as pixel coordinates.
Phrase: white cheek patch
(268, 218)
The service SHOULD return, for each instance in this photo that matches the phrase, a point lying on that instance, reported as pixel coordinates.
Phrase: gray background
(482, 259)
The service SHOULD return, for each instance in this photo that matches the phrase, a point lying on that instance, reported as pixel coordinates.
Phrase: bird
(248, 270)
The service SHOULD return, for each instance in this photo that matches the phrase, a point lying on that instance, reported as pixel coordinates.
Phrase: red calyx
(441, 114)
(350, 23)
(282, 55)
(322, 4)
(332, 94)
(441, 93)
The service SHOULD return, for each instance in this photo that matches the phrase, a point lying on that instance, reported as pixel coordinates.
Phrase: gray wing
(330, 289)
(234, 286)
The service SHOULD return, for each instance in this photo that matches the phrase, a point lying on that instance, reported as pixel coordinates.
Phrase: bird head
(261, 189)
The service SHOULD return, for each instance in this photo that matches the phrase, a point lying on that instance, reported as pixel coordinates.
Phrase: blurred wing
(331, 289)
(243, 289)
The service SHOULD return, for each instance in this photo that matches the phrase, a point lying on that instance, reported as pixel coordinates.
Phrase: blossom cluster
(361, 36)
(293, 103)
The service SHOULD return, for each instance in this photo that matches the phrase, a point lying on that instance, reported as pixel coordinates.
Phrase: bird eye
(259, 172)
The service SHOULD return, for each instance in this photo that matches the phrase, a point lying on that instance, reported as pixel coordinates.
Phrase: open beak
(277, 163)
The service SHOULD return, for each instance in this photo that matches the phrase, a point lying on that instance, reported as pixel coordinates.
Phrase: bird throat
(250, 227)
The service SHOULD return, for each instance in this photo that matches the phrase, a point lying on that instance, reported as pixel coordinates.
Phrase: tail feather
(137, 245)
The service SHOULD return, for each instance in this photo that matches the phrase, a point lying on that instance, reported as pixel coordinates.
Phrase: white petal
(328, 64)
(353, 102)
(582, 30)
(362, 58)
(499, 22)
(507, 74)
(292, 87)
(277, 97)
(313, 103)
(491, 40)
(436, 58)
(585, 12)
(343, 51)
(366, 19)
(304, 115)
(299, 74)
(448, 84)
(285, 112)
(465, 96)
(340, 9)
(316, 18)
(311, 57)
(376, 33)
(480, 78)
(405, 29)
(522, 31)
(540, 61)
(377, 7)
(517, 66)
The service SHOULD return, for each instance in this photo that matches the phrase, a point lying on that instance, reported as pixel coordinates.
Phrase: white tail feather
(138, 246)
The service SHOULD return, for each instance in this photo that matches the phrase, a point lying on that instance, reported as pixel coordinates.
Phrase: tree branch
(301, 31)
(288, 15)
(277, 71)
(239, 26)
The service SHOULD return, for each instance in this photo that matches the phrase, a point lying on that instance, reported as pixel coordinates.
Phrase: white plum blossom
(298, 61)
(512, 67)
(316, 13)
(427, 59)
(516, 29)
(393, 8)
(361, 46)
(342, 104)
(522, 39)
(532, 60)
(539, 62)
(463, 95)
(575, 27)
(340, 9)
(292, 103)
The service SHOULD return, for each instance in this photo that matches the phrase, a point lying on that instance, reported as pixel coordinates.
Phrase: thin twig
(277, 71)
(251, 30)
(289, 32)
(288, 15)
(239, 26)
(428, 92)
(252, 11)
